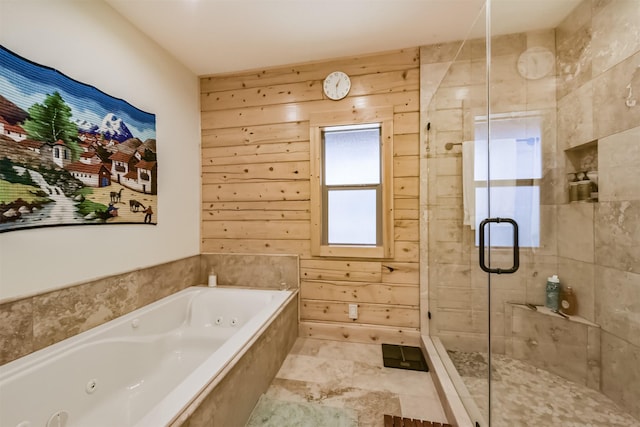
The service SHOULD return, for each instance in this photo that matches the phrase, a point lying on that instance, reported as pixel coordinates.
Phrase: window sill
(346, 251)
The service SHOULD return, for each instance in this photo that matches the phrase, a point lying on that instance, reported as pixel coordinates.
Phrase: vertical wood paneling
(256, 186)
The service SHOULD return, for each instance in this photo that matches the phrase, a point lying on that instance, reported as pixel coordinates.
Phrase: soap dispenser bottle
(213, 279)
(552, 293)
(568, 302)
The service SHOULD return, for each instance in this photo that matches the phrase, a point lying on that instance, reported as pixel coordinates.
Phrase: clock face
(535, 62)
(336, 85)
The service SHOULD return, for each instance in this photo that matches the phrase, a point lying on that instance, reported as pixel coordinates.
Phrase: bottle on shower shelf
(552, 299)
(573, 187)
(584, 187)
(568, 302)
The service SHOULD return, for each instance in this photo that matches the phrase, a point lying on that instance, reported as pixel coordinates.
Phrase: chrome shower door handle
(516, 247)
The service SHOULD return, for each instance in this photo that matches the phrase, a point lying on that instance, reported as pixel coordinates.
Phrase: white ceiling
(219, 36)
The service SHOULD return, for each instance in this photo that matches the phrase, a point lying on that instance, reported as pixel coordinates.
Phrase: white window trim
(318, 121)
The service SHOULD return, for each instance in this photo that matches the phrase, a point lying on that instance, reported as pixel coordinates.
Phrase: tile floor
(352, 376)
(525, 395)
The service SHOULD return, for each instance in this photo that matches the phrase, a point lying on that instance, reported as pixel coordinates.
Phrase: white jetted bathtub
(141, 369)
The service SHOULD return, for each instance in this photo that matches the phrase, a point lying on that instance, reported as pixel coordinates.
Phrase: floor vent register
(403, 357)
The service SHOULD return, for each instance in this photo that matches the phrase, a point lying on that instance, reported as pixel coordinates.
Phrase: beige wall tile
(575, 118)
(508, 96)
(450, 97)
(447, 120)
(431, 77)
(459, 74)
(619, 162)
(480, 323)
(455, 275)
(446, 231)
(617, 233)
(541, 93)
(16, 330)
(594, 362)
(450, 165)
(468, 342)
(453, 297)
(264, 271)
(617, 307)
(621, 372)
(508, 44)
(453, 320)
(616, 34)
(618, 184)
(448, 212)
(577, 19)
(442, 138)
(449, 186)
(620, 149)
(552, 189)
(575, 231)
(67, 312)
(548, 231)
(581, 277)
(447, 252)
(551, 343)
(443, 52)
(609, 95)
(536, 280)
(574, 58)
(173, 276)
(543, 38)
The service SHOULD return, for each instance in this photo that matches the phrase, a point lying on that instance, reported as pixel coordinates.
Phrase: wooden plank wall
(255, 187)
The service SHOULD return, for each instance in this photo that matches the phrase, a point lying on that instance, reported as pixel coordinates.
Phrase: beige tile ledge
(547, 312)
(450, 396)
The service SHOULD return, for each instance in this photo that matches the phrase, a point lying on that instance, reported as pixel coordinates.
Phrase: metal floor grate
(403, 357)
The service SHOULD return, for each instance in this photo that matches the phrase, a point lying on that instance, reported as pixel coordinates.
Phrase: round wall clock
(336, 85)
(535, 62)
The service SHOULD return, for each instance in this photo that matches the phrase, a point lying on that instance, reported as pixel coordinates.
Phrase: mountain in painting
(85, 126)
(11, 112)
(113, 127)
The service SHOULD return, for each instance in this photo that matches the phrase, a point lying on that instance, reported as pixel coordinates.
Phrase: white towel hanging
(468, 184)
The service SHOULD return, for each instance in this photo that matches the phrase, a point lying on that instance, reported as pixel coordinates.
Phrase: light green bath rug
(277, 413)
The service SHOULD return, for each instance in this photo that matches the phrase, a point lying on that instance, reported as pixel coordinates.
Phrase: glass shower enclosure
(530, 166)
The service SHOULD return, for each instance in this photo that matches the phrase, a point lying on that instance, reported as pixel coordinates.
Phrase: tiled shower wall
(37, 321)
(598, 250)
(592, 246)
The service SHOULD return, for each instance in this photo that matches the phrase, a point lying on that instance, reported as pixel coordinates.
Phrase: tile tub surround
(253, 270)
(37, 321)
(230, 401)
(351, 375)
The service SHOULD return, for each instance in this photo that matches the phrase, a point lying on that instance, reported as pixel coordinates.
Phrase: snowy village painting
(69, 153)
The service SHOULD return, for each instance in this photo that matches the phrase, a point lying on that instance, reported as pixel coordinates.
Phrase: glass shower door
(515, 151)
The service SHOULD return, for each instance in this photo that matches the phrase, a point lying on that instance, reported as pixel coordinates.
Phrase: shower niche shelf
(541, 309)
(580, 160)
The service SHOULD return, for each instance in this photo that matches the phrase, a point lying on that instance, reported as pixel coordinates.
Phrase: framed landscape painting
(71, 154)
